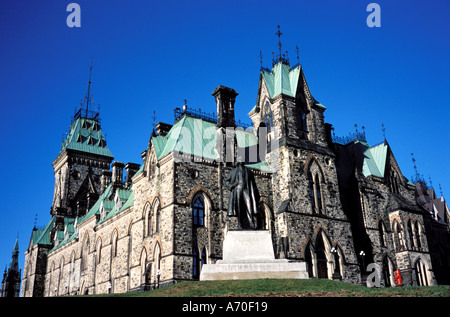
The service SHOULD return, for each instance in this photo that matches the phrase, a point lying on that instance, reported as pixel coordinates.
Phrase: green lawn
(287, 288)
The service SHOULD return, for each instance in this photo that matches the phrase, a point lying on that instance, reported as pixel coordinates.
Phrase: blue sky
(151, 55)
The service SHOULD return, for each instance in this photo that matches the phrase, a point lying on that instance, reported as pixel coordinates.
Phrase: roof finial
(89, 88)
(261, 58)
(298, 56)
(440, 189)
(279, 34)
(384, 131)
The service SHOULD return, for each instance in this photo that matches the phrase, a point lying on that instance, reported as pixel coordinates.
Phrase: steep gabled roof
(85, 135)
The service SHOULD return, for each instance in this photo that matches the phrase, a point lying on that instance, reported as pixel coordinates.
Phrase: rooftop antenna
(261, 58)
(154, 119)
(418, 179)
(89, 89)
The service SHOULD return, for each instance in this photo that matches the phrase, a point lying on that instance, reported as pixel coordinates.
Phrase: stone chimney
(225, 98)
(117, 173)
(105, 180)
(163, 128)
(131, 169)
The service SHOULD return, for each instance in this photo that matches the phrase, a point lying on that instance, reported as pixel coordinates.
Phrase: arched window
(311, 192)
(418, 235)
(157, 263)
(84, 254)
(268, 117)
(399, 236)
(98, 250)
(114, 238)
(198, 211)
(315, 180)
(147, 220)
(317, 192)
(411, 234)
(157, 211)
(421, 273)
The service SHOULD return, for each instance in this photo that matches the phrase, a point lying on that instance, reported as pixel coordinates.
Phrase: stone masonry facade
(324, 202)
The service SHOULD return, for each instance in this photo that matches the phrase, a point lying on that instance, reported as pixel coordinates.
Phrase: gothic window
(84, 254)
(317, 193)
(157, 211)
(417, 232)
(198, 211)
(311, 192)
(421, 273)
(99, 250)
(114, 239)
(147, 220)
(411, 234)
(268, 119)
(157, 263)
(399, 236)
(315, 180)
(393, 180)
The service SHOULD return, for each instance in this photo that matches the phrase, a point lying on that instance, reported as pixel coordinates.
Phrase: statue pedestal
(248, 254)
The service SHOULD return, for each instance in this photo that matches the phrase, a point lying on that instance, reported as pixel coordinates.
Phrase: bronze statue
(243, 196)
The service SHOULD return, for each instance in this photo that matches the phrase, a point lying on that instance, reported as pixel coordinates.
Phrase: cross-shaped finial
(279, 39)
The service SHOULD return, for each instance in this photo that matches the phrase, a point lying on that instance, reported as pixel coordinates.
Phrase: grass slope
(288, 288)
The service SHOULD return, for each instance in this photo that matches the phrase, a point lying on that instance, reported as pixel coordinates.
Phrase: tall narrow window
(399, 236)
(411, 234)
(268, 117)
(196, 264)
(417, 234)
(198, 211)
(157, 212)
(114, 239)
(318, 197)
(311, 192)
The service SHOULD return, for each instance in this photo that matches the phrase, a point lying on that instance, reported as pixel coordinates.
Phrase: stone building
(336, 204)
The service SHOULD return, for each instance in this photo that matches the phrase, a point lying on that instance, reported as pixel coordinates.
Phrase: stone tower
(79, 166)
(12, 276)
(310, 220)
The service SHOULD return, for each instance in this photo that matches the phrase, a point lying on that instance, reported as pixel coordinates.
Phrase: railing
(210, 117)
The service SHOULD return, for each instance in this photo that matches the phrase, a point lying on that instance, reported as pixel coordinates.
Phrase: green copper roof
(85, 135)
(375, 160)
(281, 80)
(195, 136)
(42, 236)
